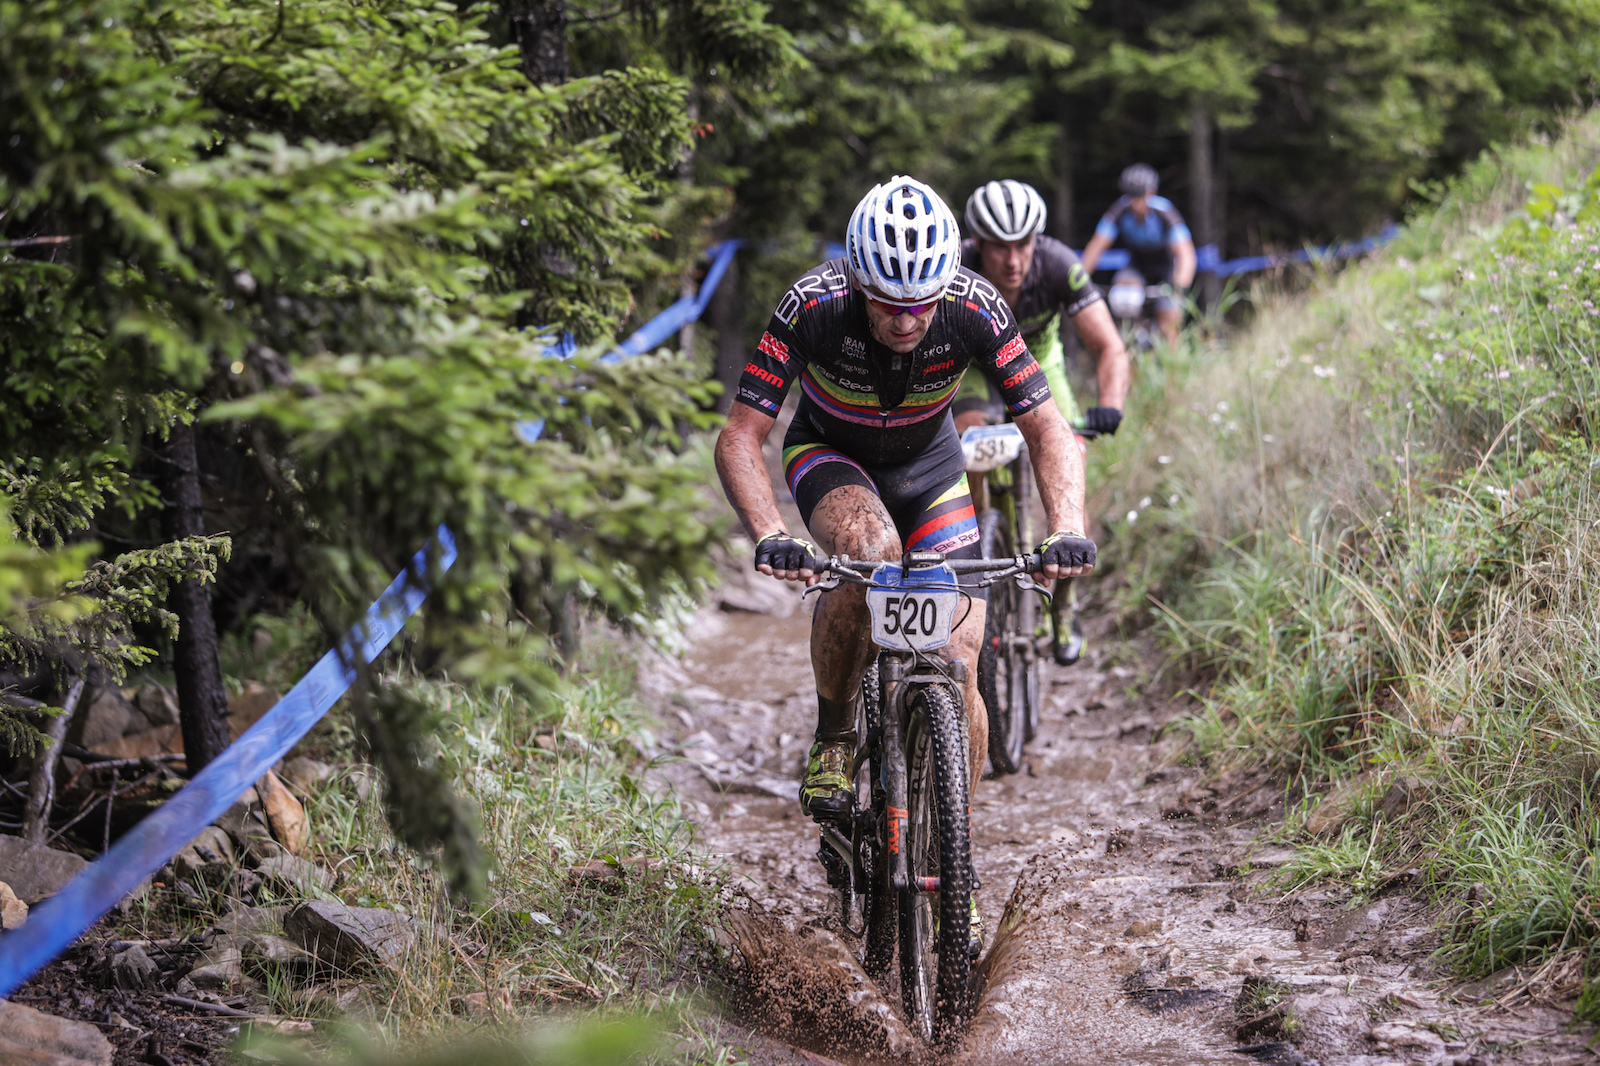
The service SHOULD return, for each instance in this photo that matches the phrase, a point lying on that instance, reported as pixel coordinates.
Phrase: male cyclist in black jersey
(1041, 279)
(1157, 239)
(880, 340)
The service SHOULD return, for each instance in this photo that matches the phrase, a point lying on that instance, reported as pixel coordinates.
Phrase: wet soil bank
(1138, 929)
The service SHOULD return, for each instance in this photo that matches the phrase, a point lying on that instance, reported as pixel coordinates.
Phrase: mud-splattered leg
(850, 520)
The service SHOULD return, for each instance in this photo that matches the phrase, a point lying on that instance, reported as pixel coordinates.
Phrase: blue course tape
(148, 846)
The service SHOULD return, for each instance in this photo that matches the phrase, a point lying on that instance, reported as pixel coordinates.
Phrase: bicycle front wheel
(935, 919)
(877, 894)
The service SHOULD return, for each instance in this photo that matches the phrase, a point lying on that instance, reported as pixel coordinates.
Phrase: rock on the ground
(285, 816)
(33, 1038)
(157, 706)
(246, 823)
(13, 912)
(102, 717)
(1330, 1022)
(35, 872)
(265, 949)
(1405, 1036)
(249, 921)
(347, 938)
(221, 969)
(298, 875)
(132, 968)
(303, 772)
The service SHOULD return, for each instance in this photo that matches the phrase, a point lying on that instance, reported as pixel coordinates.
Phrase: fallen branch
(216, 1008)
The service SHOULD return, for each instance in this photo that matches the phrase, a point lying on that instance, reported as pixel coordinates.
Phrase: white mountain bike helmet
(903, 242)
(1005, 211)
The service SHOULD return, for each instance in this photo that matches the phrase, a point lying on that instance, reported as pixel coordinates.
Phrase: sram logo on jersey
(765, 375)
(1020, 376)
(935, 368)
(1009, 351)
(774, 347)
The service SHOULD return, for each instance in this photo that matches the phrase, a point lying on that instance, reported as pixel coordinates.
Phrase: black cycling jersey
(1055, 282)
(882, 408)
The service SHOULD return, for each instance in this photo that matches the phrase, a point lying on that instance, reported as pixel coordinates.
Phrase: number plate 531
(912, 613)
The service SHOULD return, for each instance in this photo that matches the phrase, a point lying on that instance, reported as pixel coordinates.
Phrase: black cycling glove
(1102, 419)
(1065, 548)
(783, 552)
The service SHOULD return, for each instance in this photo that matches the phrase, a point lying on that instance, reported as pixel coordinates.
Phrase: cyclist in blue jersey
(1158, 241)
(879, 341)
(1044, 283)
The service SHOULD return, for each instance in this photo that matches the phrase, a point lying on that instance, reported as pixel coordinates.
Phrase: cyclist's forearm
(744, 472)
(1099, 334)
(1183, 268)
(1057, 466)
(1093, 251)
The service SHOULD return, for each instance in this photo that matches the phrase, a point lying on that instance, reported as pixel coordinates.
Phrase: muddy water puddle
(1141, 937)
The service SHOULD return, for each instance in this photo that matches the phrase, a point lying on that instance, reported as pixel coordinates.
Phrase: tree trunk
(42, 781)
(1061, 212)
(727, 322)
(540, 29)
(202, 699)
(1202, 201)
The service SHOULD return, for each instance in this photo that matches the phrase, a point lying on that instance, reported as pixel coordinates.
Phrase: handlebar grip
(1034, 562)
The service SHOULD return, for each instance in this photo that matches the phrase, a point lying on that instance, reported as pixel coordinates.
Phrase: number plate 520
(914, 615)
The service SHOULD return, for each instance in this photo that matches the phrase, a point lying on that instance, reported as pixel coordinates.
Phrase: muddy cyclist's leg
(849, 520)
(965, 642)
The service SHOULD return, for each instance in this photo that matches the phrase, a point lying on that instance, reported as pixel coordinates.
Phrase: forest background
(291, 269)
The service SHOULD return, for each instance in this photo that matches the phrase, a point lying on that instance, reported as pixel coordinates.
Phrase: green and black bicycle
(1010, 663)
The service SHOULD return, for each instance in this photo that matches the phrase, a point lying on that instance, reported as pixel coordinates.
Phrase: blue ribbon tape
(148, 846)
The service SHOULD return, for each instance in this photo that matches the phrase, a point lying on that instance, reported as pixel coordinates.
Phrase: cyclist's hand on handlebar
(789, 558)
(1065, 553)
(1102, 419)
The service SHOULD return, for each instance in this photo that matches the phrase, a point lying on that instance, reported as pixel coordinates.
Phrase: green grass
(1369, 526)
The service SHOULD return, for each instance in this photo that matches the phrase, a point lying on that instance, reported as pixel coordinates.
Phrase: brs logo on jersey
(774, 347)
(1009, 351)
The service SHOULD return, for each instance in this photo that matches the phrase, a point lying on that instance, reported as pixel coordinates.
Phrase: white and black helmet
(1005, 211)
(903, 242)
(1140, 179)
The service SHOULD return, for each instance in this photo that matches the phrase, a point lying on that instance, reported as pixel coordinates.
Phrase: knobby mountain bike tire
(935, 970)
(878, 898)
(1005, 702)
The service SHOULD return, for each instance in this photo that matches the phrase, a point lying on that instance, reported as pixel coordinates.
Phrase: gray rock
(347, 938)
(294, 874)
(304, 772)
(35, 872)
(33, 1038)
(102, 717)
(221, 968)
(157, 705)
(264, 950)
(759, 594)
(1405, 1036)
(133, 969)
(216, 840)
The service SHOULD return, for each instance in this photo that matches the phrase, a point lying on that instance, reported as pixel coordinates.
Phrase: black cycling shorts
(927, 498)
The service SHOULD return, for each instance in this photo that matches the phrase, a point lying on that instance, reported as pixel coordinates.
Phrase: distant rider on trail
(880, 340)
(1041, 279)
(1157, 239)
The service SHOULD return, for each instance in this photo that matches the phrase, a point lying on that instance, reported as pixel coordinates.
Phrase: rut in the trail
(1138, 935)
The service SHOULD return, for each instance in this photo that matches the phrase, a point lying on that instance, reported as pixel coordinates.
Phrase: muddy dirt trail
(1142, 934)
